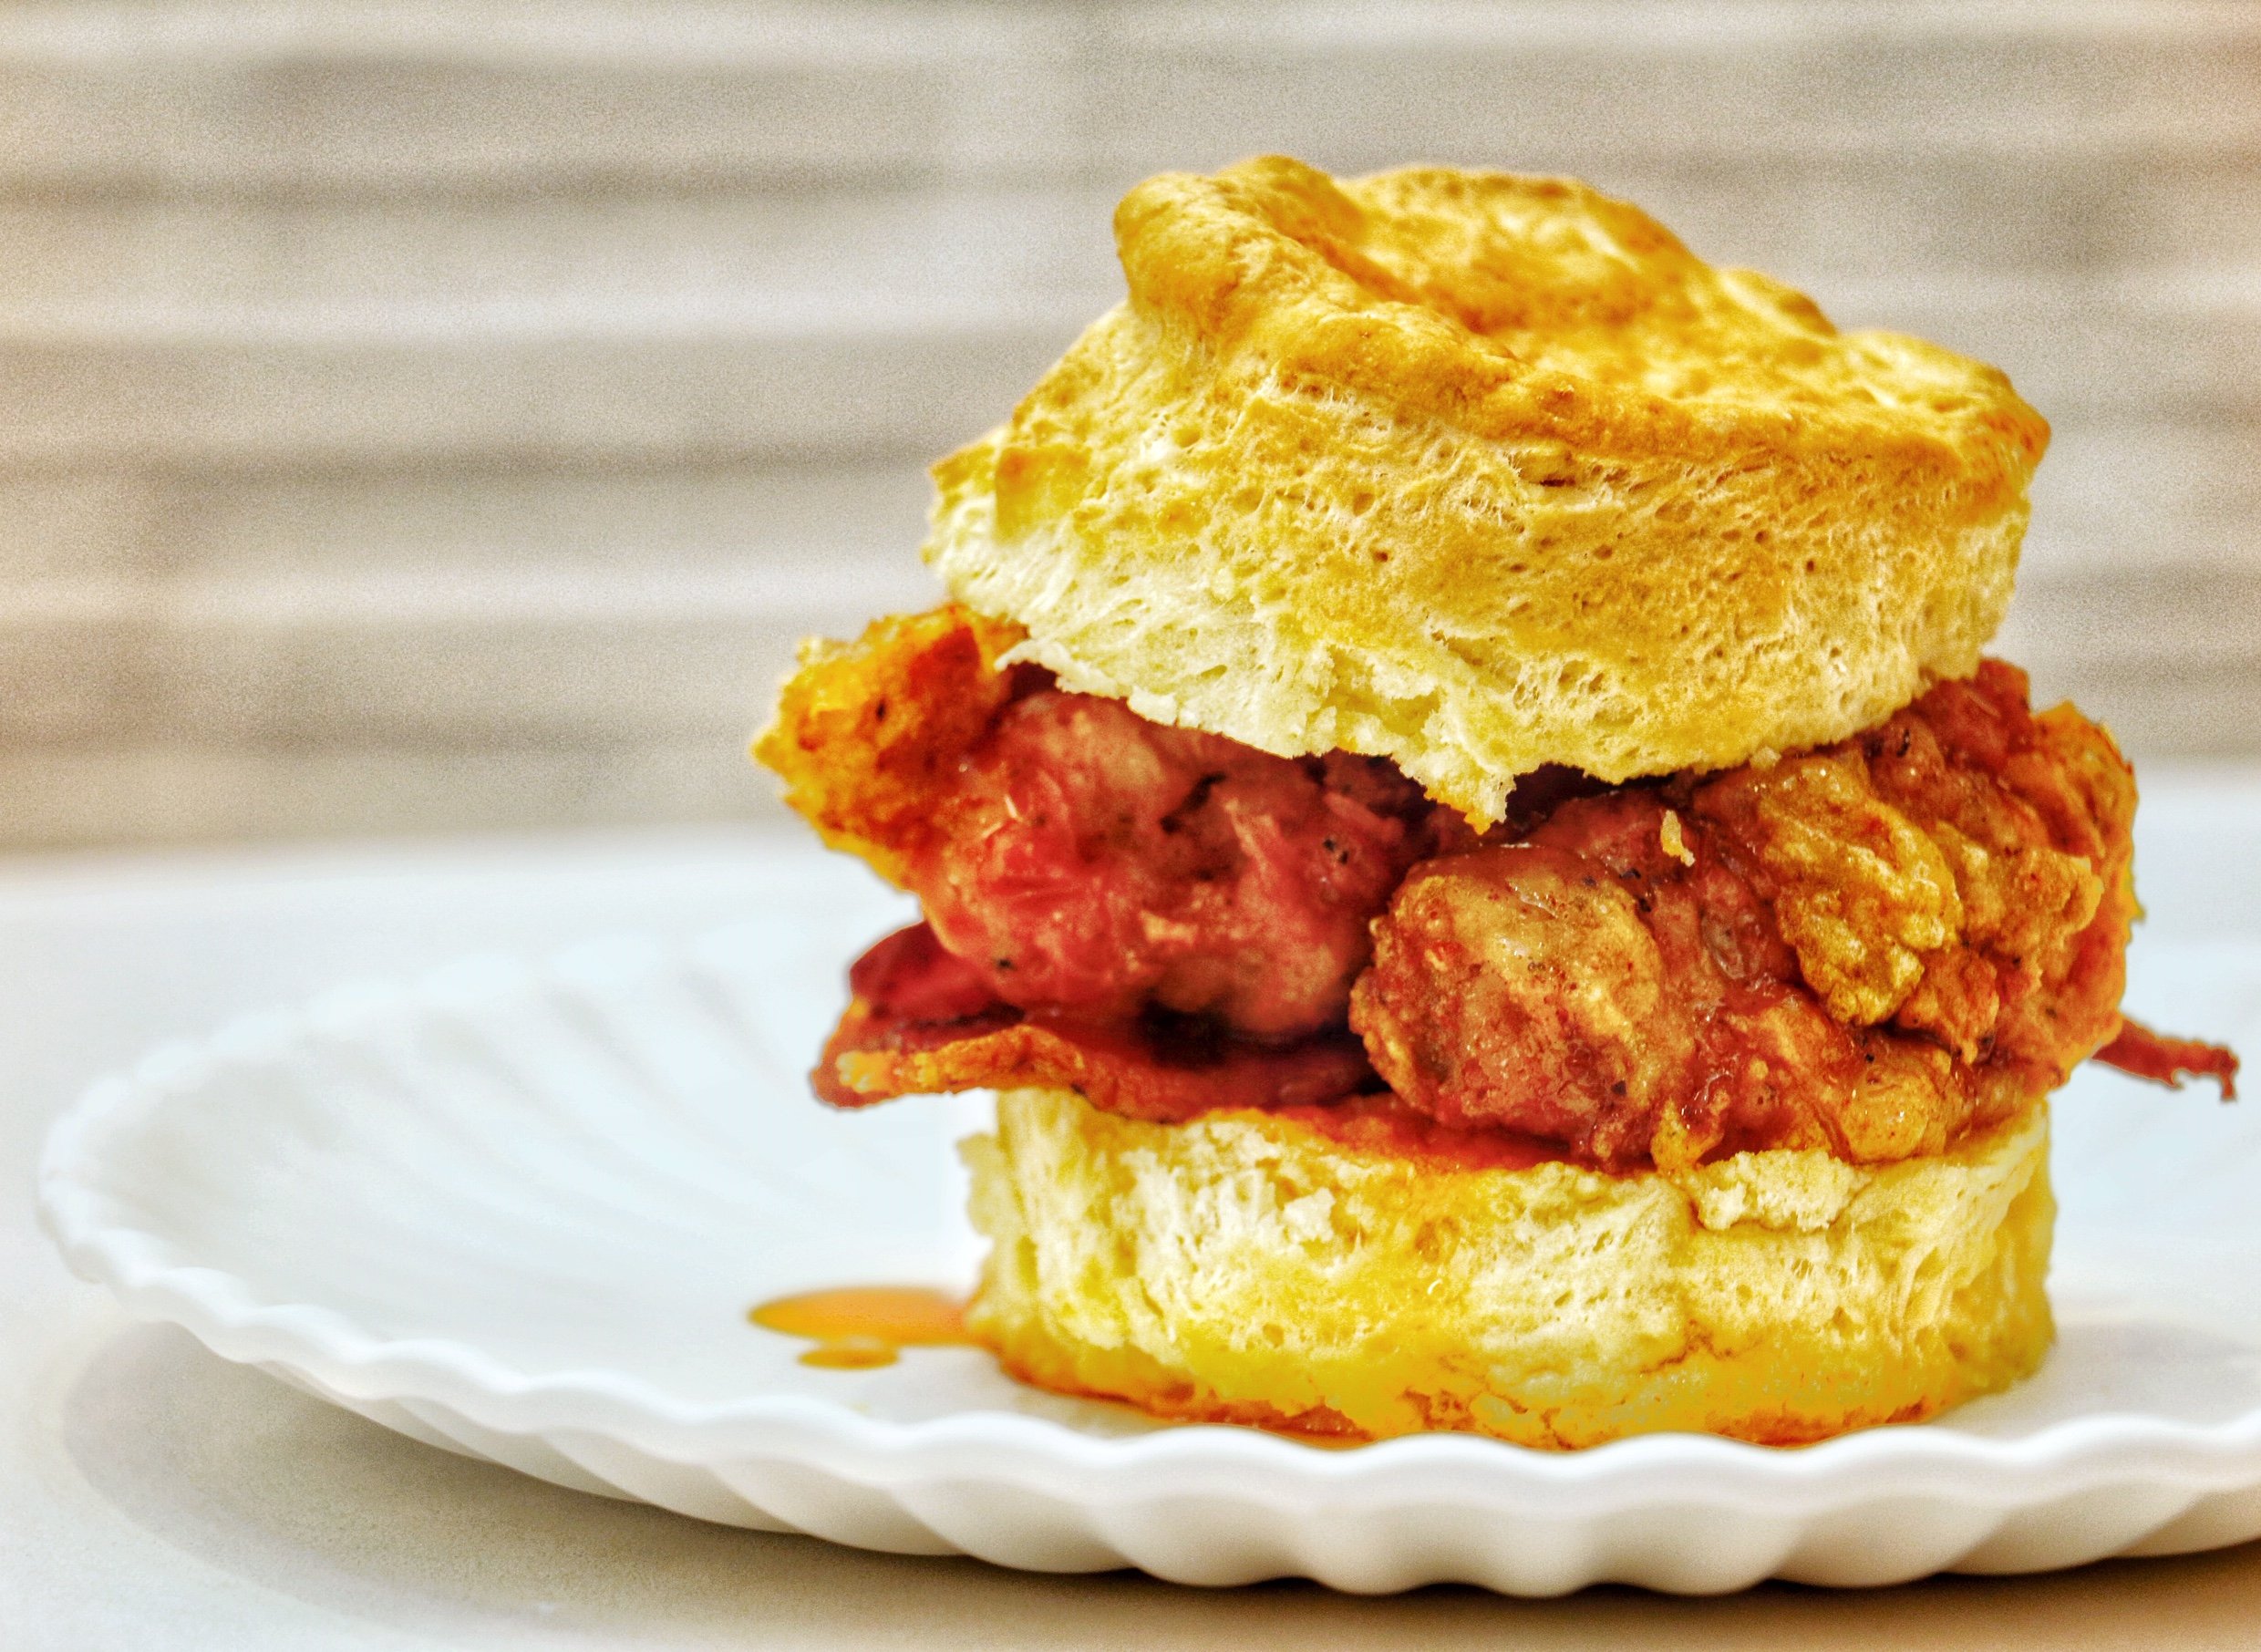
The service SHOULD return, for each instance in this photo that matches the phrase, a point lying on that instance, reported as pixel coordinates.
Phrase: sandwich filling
(1874, 947)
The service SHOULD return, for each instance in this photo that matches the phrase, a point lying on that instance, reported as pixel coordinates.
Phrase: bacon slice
(918, 1027)
(2166, 1060)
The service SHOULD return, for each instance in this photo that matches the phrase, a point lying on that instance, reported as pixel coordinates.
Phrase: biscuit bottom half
(1244, 1268)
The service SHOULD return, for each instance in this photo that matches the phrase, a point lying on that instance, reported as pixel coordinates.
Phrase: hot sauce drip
(858, 1327)
(1871, 947)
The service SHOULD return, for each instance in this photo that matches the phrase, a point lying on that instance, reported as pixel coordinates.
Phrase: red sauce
(858, 1327)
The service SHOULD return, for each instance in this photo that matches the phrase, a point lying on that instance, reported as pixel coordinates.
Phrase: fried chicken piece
(1088, 860)
(1872, 948)
(867, 732)
(1520, 987)
(2007, 944)
(1083, 860)
(1587, 987)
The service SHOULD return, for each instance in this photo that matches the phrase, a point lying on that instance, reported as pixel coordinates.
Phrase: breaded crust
(1481, 472)
(1244, 1268)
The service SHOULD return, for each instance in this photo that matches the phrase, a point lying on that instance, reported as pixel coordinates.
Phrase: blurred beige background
(446, 415)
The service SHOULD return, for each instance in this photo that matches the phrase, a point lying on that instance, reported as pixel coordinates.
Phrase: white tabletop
(153, 1496)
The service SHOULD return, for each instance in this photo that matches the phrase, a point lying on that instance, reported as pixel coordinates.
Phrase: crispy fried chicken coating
(1871, 947)
(1090, 861)
(868, 731)
(1081, 859)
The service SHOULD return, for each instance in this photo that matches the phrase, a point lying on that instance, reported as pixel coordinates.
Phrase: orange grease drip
(1381, 1124)
(858, 1327)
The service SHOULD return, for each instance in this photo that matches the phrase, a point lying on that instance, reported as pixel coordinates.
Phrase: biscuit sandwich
(1457, 802)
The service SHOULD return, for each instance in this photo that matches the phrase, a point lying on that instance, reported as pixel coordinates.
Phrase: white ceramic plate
(520, 1210)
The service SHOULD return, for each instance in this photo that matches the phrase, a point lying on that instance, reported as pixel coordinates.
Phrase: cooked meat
(1593, 991)
(921, 1022)
(1871, 948)
(1090, 861)
(911, 977)
(1079, 858)
(2164, 1060)
(868, 731)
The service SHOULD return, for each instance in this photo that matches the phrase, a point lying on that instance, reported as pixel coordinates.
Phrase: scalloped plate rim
(223, 1311)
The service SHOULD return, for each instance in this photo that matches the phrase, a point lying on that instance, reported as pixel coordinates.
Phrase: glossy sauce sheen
(858, 1327)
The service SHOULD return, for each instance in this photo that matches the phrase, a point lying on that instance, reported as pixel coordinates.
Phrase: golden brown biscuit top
(1482, 473)
(1511, 305)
